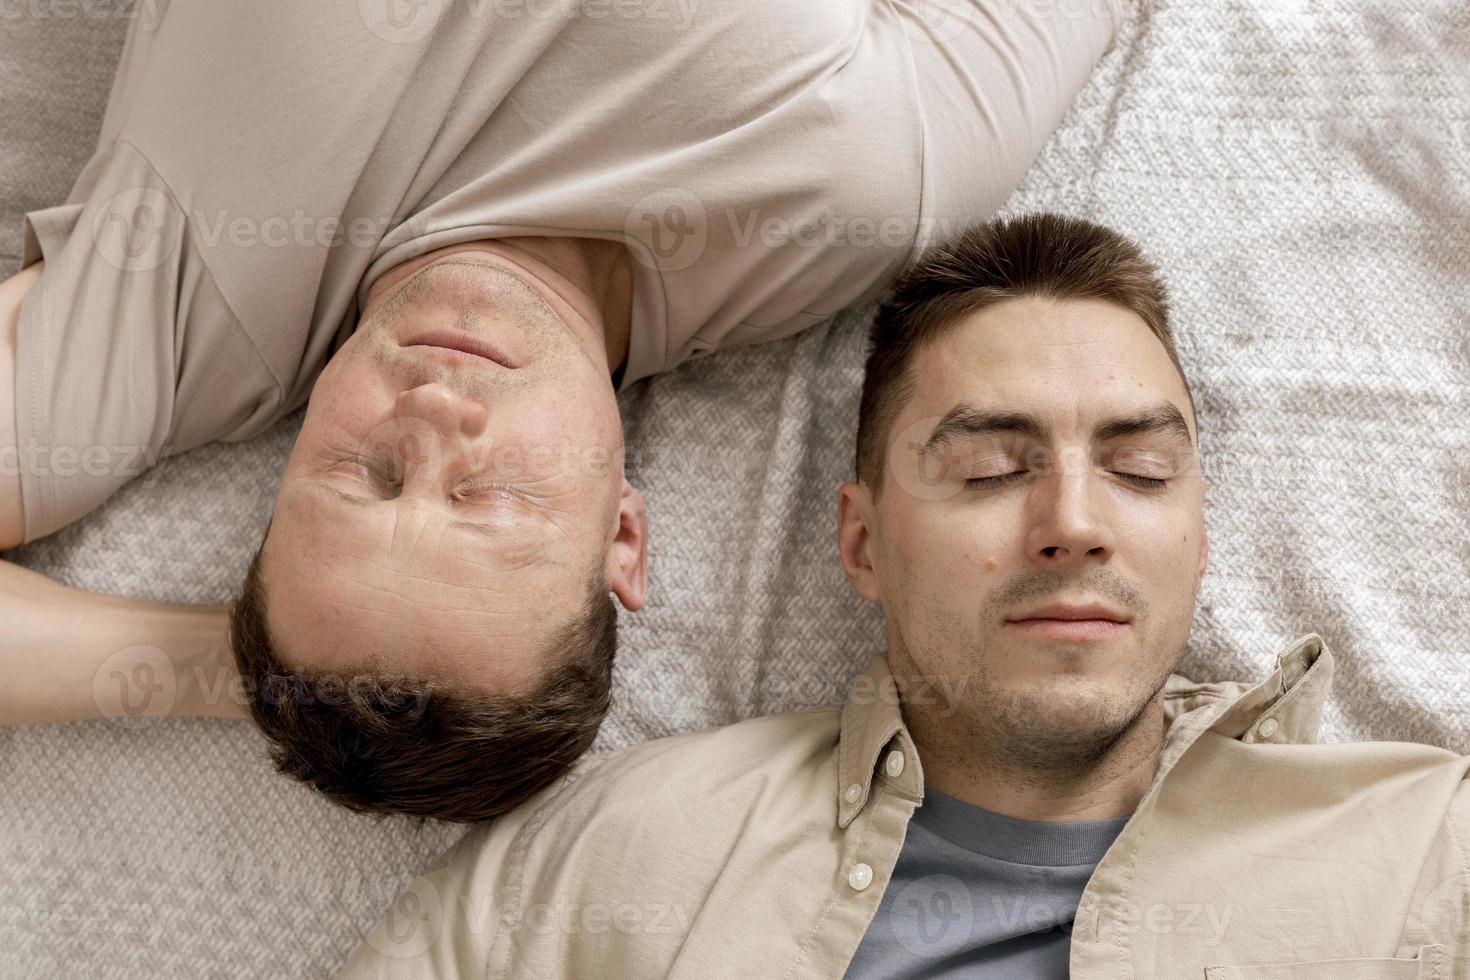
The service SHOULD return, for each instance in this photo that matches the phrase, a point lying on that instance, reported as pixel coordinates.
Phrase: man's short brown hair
(385, 745)
(1037, 254)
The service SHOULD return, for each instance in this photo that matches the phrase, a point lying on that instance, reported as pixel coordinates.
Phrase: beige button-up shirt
(762, 850)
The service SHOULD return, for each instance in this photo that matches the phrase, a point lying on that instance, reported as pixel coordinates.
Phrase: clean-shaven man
(1021, 787)
(460, 228)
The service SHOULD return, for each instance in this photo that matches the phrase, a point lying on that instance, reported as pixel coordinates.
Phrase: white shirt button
(893, 765)
(860, 877)
(1267, 728)
(853, 792)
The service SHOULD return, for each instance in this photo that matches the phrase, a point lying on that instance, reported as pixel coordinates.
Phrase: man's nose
(1069, 522)
(450, 413)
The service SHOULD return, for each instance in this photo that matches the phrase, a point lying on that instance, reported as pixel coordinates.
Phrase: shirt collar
(1292, 696)
(1285, 707)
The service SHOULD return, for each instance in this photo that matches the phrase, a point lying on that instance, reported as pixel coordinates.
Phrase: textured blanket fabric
(1299, 170)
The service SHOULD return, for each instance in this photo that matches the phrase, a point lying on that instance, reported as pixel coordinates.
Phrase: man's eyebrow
(964, 419)
(1164, 418)
(489, 531)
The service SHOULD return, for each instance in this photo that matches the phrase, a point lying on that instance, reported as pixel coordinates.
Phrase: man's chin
(1068, 711)
(1040, 660)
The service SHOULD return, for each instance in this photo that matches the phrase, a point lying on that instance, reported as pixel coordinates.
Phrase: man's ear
(855, 517)
(627, 557)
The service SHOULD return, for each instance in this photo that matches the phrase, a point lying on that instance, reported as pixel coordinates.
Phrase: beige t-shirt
(767, 163)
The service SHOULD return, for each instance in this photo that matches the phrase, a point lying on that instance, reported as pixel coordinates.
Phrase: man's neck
(588, 281)
(961, 766)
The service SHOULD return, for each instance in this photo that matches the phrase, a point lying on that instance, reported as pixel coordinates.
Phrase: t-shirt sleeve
(124, 326)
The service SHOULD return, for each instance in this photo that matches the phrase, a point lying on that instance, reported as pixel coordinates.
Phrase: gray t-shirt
(976, 894)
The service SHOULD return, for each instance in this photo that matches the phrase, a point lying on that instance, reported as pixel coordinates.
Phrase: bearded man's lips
(461, 342)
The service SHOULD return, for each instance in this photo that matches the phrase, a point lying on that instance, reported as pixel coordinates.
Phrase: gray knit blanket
(1299, 168)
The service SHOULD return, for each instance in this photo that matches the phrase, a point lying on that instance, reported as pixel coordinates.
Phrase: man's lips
(462, 341)
(1071, 622)
(1069, 630)
(1074, 610)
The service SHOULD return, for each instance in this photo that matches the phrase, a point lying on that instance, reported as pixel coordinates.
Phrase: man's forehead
(1017, 333)
(343, 612)
(1084, 358)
